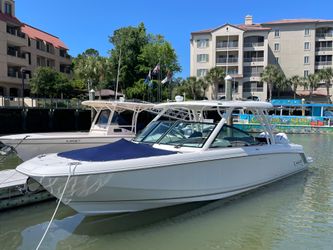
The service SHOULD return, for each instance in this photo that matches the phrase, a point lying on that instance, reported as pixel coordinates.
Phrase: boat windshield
(153, 132)
(187, 134)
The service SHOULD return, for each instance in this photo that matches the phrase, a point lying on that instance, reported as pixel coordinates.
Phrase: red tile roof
(289, 21)
(253, 27)
(263, 26)
(35, 33)
(9, 19)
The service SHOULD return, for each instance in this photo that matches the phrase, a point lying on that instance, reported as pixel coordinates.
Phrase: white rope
(6, 155)
(59, 201)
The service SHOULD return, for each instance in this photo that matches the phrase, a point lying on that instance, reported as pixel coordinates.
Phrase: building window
(276, 60)
(202, 43)
(306, 73)
(307, 32)
(307, 46)
(201, 72)
(202, 58)
(8, 9)
(277, 33)
(276, 47)
(306, 60)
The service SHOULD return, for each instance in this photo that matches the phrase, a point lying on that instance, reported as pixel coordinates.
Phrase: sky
(84, 24)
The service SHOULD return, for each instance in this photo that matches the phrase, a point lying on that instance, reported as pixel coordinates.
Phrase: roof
(252, 27)
(35, 33)
(10, 19)
(295, 21)
(106, 92)
(263, 27)
(198, 105)
(119, 105)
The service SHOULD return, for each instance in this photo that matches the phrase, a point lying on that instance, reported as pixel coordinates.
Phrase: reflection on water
(296, 213)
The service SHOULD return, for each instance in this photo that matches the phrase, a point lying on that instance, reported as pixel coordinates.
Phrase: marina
(289, 214)
(293, 117)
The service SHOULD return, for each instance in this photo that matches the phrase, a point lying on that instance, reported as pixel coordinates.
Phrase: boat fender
(33, 186)
(281, 138)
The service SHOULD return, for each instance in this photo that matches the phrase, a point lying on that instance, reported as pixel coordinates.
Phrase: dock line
(75, 164)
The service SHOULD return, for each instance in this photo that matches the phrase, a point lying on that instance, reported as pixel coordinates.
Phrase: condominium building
(297, 47)
(23, 48)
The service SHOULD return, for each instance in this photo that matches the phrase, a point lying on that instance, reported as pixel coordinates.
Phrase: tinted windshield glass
(233, 137)
(103, 117)
(154, 131)
(188, 134)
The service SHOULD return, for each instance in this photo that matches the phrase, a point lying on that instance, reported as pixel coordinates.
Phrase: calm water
(296, 213)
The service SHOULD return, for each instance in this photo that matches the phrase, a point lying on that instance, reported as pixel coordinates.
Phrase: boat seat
(195, 134)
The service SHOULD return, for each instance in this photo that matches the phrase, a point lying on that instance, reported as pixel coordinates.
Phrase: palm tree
(214, 77)
(312, 81)
(295, 81)
(270, 75)
(326, 75)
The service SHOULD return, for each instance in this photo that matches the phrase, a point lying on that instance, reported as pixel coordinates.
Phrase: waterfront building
(297, 47)
(23, 48)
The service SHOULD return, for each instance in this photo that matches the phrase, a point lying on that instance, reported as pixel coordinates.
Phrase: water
(296, 213)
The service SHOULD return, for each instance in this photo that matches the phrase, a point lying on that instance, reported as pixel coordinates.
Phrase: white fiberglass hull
(28, 146)
(134, 185)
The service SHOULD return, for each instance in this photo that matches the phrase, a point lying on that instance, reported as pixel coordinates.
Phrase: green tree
(158, 51)
(311, 82)
(295, 81)
(326, 75)
(138, 91)
(127, 45)
(270, 75)
(191, 87)
(93, 69)
(46, 82)
(214, 78)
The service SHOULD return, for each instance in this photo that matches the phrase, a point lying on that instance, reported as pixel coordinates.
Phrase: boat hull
(182, 182)
(38, 144)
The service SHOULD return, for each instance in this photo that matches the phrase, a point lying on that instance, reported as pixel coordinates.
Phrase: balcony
(223, 60)
(324, 48)
(324, 35)
(252, 73)
(254, 44)
(322, 63)
(227, 45)
(253, 59)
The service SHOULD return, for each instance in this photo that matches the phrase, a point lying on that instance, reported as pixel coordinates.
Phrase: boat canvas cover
(119, 150)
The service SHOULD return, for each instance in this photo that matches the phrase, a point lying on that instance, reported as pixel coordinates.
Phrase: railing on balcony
(231, 44)
(232, 72)
(324, 63)
(253, 59)
(324, 48)
(15, 53)
(224, 60)
(323, 35)
(15, 32)
(252, 73)
(250, 45)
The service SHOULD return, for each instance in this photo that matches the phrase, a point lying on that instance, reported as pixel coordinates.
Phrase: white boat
(109, 125)
(187, 159)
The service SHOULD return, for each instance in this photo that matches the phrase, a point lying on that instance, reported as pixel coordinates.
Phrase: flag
(148, 78)
(167, 78)
(156, 69)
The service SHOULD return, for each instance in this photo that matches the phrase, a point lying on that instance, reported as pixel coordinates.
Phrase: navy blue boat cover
(119, 150)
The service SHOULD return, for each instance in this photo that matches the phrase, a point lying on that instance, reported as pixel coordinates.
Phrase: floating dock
(17, 189)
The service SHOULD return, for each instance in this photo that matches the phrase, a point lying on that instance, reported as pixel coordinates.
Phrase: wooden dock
(15, 190)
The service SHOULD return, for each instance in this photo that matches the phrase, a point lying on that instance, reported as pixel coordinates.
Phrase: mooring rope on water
(59, 201)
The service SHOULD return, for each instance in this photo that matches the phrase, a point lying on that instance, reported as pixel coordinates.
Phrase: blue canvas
(119, 150)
